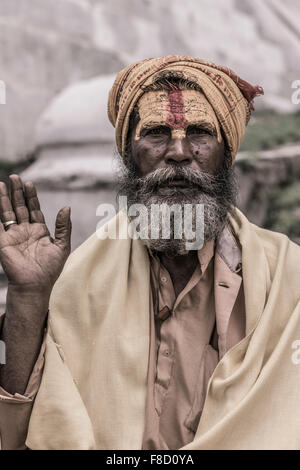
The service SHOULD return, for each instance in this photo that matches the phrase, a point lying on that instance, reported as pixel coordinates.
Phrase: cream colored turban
(230, 96)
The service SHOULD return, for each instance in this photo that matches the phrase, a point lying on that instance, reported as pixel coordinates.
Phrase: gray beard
(216, 192)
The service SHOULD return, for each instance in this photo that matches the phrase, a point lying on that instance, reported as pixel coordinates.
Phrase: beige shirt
(184, 348)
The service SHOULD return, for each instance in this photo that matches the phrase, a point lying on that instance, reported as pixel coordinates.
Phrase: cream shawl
(93, 390)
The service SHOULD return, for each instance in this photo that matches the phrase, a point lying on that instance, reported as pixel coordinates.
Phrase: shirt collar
(205, 254)
(230, 250)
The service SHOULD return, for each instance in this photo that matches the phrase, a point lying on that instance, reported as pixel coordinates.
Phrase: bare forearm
(32, 261)
(22, 333)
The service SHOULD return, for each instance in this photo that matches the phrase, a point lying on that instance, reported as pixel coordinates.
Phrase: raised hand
(32, 261)
(30, 257)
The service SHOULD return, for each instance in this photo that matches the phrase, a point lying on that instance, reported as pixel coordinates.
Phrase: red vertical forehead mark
(175, 109)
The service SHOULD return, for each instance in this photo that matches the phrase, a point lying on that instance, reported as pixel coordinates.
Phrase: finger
(63, 228)
(33, 204)
(17, 199)
(6, 210)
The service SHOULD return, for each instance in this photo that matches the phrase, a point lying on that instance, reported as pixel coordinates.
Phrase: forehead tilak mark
(176, 110)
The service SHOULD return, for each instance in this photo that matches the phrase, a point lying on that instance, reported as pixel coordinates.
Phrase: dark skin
(199, 149)
(32, 261)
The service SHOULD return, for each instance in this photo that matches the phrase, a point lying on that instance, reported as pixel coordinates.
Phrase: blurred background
(58, 60)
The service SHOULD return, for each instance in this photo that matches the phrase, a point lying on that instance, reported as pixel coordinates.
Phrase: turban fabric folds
(230, 97)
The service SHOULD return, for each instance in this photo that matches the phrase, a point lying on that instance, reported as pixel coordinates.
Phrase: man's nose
(178, 152)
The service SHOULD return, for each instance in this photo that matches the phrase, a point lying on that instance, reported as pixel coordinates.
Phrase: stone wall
(269, 185)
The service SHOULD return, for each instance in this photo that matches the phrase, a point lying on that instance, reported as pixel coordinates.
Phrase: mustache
(196, 179)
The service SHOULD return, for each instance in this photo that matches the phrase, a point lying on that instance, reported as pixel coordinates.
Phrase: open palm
(29, 256)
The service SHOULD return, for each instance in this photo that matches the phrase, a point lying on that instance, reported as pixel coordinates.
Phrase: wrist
(27, 305)
(29, 290)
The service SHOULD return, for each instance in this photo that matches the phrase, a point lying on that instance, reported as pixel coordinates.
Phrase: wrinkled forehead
(175, 108)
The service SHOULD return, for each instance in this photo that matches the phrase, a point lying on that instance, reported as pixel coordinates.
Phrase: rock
(279, 104)
(246, 182)
(259, 39)
(73, 167)
(43, 48)
(68, 18)
(260, 175)
(77, 115)
(75, 140)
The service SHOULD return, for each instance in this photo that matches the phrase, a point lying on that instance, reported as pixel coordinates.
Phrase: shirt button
(166, 353)
(164, 313)
(163, 279)
(223, 284)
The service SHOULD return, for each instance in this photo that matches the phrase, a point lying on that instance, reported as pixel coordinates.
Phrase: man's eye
(196, 130)
(158, 131)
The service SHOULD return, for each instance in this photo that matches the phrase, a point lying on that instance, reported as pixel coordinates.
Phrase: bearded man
(143, 343)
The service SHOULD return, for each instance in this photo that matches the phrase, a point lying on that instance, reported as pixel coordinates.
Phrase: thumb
(63, 228)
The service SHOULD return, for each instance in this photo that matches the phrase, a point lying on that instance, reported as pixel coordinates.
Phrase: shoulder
(276, 246)
(274, 242)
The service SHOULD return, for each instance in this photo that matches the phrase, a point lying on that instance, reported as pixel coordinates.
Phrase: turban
(230, 97)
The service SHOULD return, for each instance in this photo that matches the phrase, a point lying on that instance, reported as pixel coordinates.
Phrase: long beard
(217, 193)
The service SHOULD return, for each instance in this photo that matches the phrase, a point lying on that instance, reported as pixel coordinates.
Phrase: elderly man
(143, 343)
